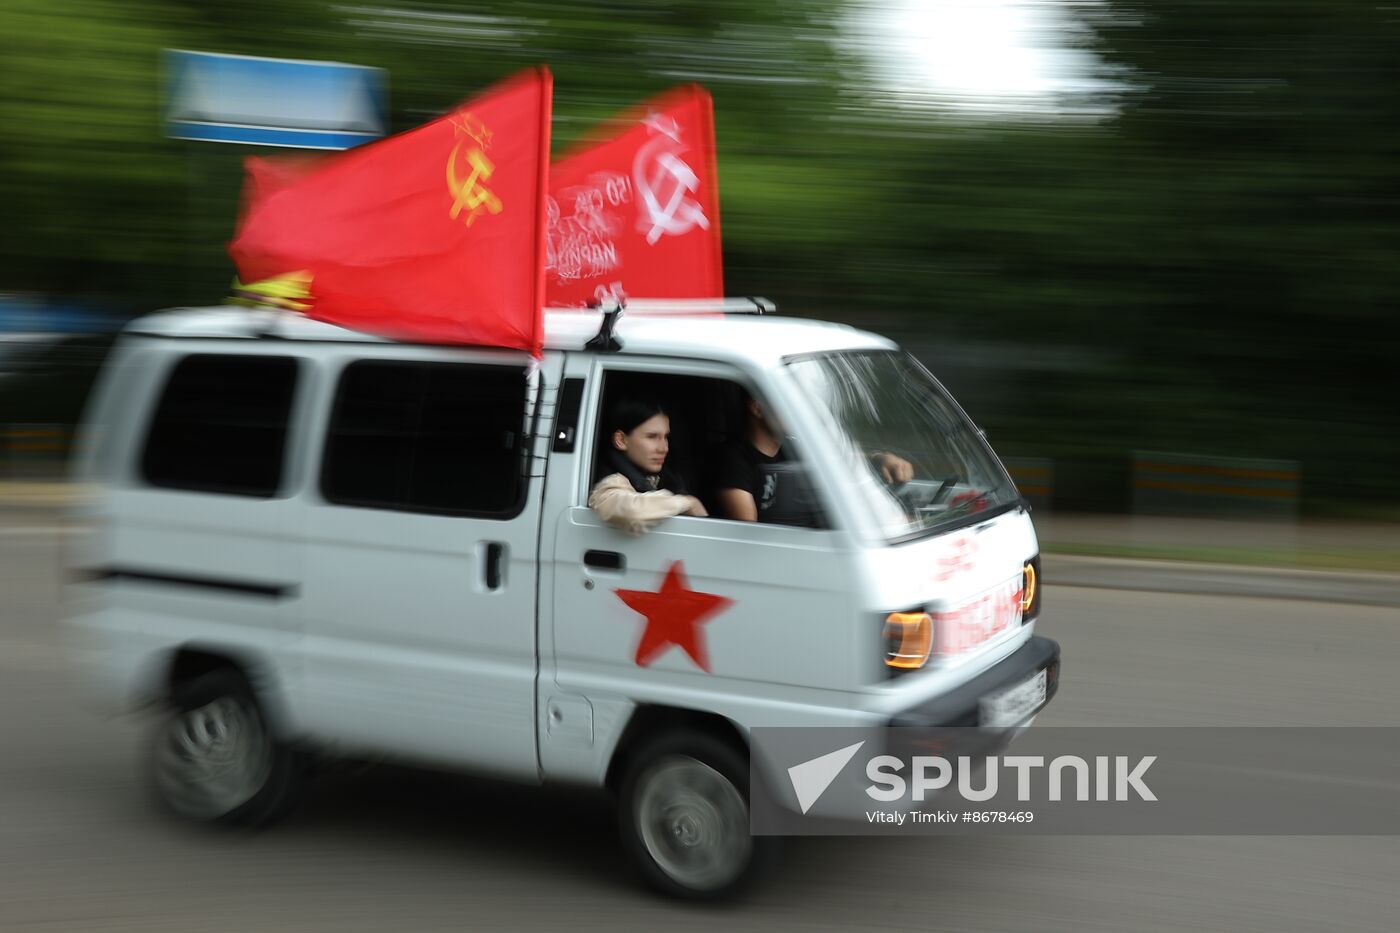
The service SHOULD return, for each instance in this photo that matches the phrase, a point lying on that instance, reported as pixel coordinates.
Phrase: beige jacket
(621, 506)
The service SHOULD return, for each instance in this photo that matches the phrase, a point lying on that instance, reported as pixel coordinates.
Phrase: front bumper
(959, 707)
(945, 726)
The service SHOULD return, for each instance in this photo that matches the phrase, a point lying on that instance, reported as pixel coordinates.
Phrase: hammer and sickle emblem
(470, 193)
(664, 181)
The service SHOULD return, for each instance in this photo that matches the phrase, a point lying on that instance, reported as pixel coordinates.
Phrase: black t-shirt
(742, 466)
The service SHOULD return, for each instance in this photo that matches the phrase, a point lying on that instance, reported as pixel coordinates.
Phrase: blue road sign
(272, 101)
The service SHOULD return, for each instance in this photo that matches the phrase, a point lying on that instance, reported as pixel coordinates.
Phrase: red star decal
(674, 615)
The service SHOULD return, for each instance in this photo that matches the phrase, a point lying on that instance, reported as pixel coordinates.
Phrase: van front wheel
(215, 761)
(684, 810)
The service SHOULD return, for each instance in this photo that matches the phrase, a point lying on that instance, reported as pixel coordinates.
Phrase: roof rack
(606, 341)
(683, 306)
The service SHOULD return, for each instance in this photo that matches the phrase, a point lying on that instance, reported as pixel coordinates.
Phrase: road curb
(1164, 576)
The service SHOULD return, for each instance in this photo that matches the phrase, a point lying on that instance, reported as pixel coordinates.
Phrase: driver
(753, 485)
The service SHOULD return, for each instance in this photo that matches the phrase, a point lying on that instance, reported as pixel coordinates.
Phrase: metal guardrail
(1190, 484)
(34, 449)
(1034, 478)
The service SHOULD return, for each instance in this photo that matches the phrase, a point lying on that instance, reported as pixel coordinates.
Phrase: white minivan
(308, 540)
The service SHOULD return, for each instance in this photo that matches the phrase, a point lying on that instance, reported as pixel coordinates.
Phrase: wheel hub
(693, 822)
(212, 759)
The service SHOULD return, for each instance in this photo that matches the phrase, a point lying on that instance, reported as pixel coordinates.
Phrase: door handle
(494, 551)
(604, 560)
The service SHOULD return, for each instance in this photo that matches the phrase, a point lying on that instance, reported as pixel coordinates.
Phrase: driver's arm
(738, 504)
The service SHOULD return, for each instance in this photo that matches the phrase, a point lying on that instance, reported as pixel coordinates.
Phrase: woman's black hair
(626, 416)
(629, 414)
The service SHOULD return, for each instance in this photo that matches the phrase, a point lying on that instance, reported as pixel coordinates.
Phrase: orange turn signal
(908, 639)
(1028, 585)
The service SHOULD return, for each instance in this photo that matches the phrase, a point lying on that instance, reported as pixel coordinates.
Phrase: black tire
(215, 761)
(660, 840)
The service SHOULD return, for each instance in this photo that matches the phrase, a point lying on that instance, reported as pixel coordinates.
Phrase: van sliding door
(420, 558)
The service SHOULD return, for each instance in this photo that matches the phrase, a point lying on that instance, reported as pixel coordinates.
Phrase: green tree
(85, 177)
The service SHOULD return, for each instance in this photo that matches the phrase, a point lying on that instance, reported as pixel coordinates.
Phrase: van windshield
(884, 410)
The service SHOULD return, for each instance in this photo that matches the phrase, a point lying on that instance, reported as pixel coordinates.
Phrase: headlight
(1030, 590)
(908, 640)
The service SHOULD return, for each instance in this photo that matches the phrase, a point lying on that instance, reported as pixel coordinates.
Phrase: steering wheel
(944, 489)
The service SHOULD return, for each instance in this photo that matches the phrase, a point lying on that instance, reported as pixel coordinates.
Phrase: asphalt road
(397, 849)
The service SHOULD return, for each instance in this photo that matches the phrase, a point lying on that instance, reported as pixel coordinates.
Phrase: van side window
(221, 425)
(427, 437)
(708, 425)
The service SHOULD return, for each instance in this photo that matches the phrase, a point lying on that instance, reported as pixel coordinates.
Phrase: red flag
(436, 234)
(638, 214)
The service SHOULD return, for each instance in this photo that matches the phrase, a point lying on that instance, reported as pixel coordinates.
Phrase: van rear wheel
(215, 760)
(684, 812)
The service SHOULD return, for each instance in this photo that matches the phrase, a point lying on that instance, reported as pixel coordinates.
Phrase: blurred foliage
(1208, 265)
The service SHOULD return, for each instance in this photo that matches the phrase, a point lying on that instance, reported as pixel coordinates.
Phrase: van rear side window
(427, 437)
(221, 425)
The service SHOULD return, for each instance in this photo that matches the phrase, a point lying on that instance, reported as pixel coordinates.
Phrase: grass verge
(1371, 560)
